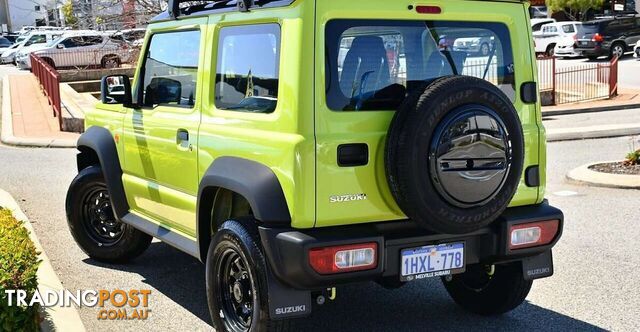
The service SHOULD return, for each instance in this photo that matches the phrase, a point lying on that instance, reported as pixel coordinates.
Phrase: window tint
(36, 39)
(247, 68)
(568, 28)
(91, 40)
(72, 42)
(373, 65)
(4, 42)
(171, 68)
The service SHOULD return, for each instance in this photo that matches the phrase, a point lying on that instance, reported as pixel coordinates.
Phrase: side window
(72, 42)
(568, 28)
(92, 40)
(171, 69)
(248, 68)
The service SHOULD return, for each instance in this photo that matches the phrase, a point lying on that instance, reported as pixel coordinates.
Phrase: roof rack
(211, 6)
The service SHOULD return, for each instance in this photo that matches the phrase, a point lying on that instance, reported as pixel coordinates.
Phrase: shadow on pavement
(418, 306)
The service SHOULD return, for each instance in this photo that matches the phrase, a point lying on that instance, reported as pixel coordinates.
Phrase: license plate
(431, 261)
(584, 43)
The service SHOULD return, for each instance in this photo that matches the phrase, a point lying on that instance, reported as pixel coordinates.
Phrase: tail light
(428, 9)
(532, 234)
(346, 258)
(597, 38)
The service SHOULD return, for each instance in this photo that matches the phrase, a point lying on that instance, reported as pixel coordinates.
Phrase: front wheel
(489, 290)
(94, 225)
(236, 277)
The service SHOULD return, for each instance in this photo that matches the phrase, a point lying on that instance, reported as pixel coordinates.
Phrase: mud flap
(286, 302)
(536, 267)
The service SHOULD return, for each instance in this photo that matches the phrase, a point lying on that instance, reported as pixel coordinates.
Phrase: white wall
(23, 12)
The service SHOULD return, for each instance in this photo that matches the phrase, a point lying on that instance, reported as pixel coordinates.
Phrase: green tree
(69, 15)
(573, 8)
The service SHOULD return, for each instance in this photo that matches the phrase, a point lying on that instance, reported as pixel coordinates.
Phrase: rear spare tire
(454, 154)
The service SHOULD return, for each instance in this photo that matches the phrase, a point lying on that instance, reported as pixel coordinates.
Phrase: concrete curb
(570, 111)
(6, 133)
(602, 131)
(55, 318)
(583, 175)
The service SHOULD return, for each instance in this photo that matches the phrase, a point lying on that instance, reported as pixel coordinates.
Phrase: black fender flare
(96, 145)
(254, 181)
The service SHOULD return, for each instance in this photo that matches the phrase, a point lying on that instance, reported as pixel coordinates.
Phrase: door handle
(182, 140)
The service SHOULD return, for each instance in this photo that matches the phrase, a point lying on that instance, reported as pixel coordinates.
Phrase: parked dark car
(612, 36)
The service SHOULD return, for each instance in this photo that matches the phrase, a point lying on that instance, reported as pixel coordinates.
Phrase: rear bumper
(593, 51)
(287, 249)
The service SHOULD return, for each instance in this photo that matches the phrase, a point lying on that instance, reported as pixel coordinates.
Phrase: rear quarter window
(374, 64)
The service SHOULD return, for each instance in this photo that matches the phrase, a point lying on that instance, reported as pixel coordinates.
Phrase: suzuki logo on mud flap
(347, 198)
(291, 310)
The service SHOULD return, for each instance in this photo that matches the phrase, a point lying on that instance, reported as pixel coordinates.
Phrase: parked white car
(5, 44)
(35, 37)
(553, 33)
(80, 49)
(537, 23)
(636, 50)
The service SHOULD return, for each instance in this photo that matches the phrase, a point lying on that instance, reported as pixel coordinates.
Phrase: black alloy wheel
(234, 288)
(100, 223)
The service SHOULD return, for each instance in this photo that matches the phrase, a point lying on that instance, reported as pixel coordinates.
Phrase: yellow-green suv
(296, 145)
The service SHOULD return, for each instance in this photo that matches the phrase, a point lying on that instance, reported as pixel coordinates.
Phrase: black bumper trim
(286, 249)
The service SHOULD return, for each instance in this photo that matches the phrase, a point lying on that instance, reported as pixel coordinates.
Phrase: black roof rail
(211, 6)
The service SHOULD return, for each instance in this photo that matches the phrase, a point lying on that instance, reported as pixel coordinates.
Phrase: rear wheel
(617, 50)
(94, 225)
(489, 290)
(236, 279)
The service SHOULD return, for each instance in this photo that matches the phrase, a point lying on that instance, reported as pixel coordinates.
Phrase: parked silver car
(84, 49)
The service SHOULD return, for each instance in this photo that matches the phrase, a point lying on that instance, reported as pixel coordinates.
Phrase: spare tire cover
(454, 154)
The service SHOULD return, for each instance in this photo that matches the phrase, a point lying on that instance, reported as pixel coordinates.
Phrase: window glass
(36, 39)
(374, 65)
(171, 68)
(91, 40)
(72, 42)
(568, 28)
(247, 68)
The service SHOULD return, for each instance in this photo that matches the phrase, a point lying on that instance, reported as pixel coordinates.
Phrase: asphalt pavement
(595, 286)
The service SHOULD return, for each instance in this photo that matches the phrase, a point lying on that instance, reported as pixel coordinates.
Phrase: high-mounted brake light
(597, 38)
(347, 258)
(533, 234)
(428, 9)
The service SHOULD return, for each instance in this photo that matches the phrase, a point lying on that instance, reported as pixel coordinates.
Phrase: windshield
(374, 65)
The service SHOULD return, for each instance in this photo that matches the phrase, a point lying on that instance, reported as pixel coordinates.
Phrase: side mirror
(60, 46)
(116, 89)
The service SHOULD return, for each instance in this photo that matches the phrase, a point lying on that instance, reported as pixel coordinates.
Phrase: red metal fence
(49, 82)
(570, 84)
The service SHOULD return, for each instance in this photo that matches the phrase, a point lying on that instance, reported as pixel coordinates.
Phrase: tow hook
(330, 293)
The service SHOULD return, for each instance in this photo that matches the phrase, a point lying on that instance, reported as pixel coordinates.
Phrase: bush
(633, 158)
(18, 267)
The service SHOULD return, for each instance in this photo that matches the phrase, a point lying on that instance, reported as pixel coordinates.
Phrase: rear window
(590, 28)
(373, 65)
